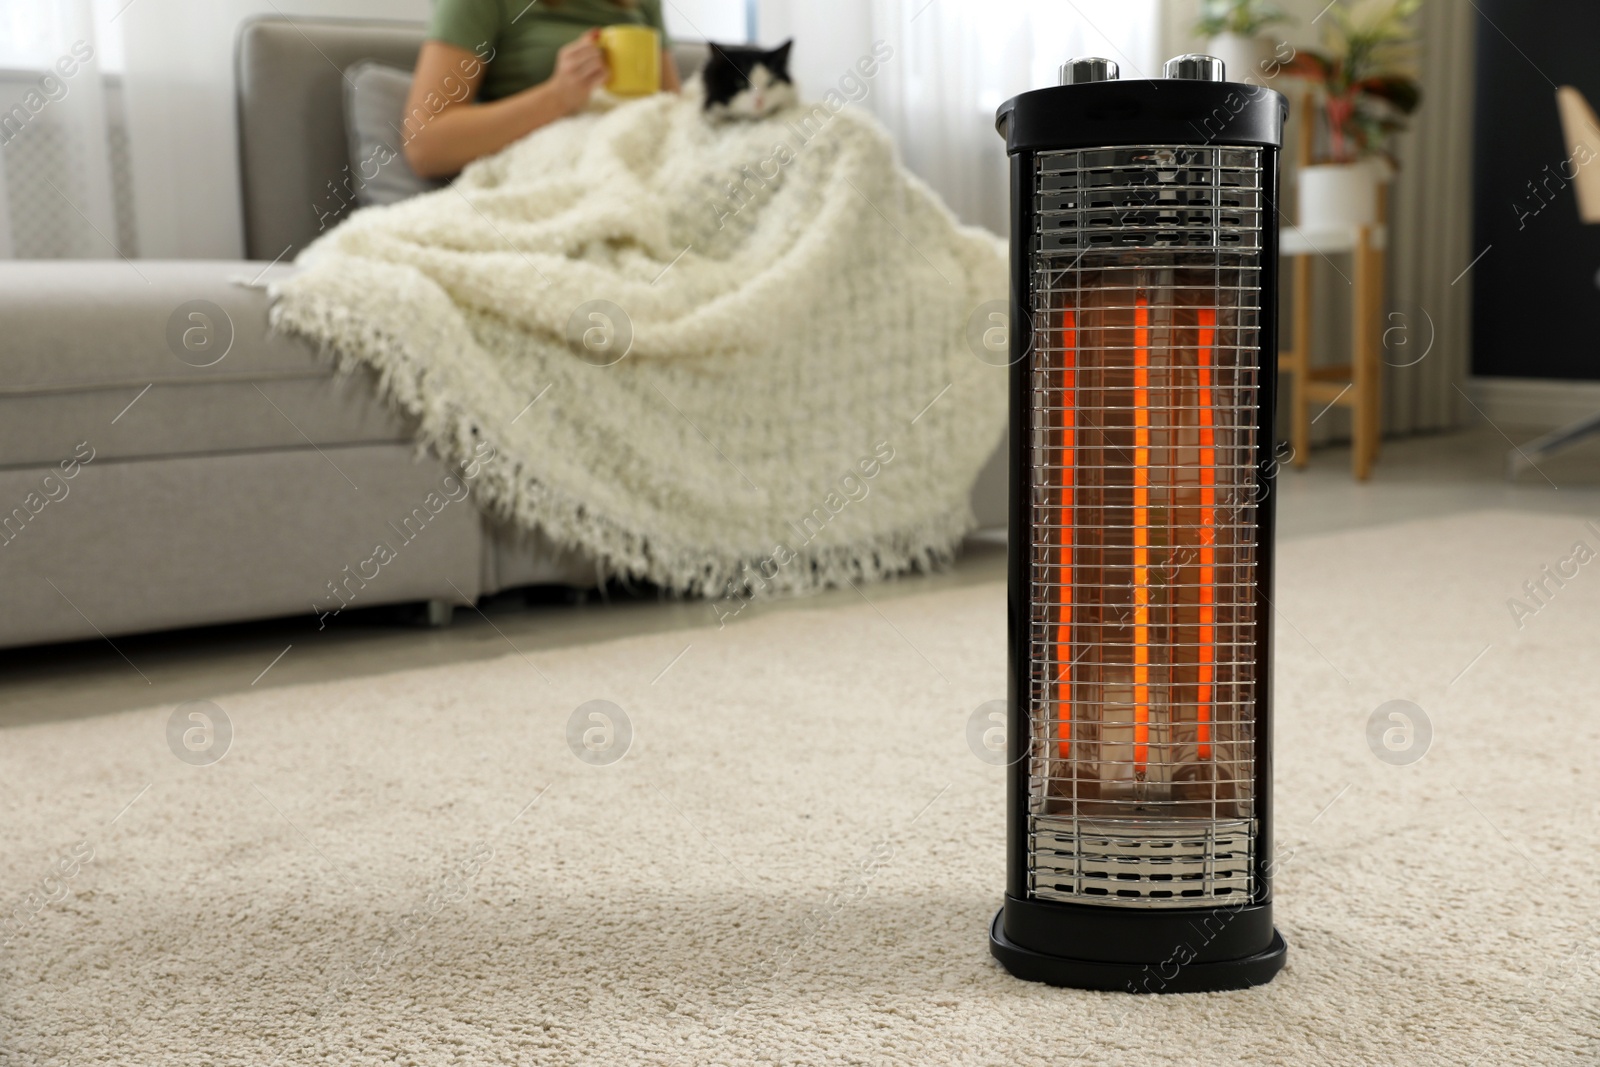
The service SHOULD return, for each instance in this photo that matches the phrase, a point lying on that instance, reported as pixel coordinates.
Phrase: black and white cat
(748, 83)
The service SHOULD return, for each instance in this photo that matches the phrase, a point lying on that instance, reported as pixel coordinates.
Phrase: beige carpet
(799, 858)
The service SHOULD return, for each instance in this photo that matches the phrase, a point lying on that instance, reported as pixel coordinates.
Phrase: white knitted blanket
(720, 357)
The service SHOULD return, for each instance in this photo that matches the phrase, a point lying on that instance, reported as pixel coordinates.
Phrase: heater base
(1171, 977)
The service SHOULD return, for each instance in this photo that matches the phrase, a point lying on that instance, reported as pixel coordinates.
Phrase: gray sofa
(139, 491)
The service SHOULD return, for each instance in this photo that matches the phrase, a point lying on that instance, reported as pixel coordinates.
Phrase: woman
(529, 63)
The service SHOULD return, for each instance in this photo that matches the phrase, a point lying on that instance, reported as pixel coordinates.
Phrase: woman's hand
(580, 69)
(446, 128)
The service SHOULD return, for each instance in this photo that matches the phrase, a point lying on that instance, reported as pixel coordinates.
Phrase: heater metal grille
(1146, 284)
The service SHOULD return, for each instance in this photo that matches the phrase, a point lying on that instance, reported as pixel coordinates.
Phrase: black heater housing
(1144, 292)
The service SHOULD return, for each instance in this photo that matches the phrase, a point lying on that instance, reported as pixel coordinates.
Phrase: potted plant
(1232, 29)
(1366, 91)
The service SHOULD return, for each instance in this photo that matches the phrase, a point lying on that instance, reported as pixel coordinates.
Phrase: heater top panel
(1143, 112)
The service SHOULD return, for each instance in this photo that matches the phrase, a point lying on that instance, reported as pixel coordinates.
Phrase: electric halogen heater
(1144, 357)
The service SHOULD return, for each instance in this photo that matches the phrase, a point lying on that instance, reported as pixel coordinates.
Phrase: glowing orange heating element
(1069, 352)
(1208, 532)
(1146, 614)
(1141, 536)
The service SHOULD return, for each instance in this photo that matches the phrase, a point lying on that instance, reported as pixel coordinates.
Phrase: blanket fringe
(509, 492)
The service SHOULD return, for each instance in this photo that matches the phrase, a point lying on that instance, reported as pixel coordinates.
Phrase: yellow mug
(634, 55)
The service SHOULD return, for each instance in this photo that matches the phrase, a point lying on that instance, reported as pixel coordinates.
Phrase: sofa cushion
(374, 109)
(156, 358)
(292, 143)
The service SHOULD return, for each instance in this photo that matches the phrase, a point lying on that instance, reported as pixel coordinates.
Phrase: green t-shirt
(526, 36)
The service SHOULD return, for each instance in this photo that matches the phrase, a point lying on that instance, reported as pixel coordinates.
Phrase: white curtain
(132, 151)
(58, 143)
(954, 63)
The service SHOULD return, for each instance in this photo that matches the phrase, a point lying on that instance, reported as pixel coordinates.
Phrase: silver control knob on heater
(1088, 69)
(1195, 67)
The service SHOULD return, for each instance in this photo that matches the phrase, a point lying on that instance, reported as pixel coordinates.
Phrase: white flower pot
(1245, 59)
(1338, 195)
